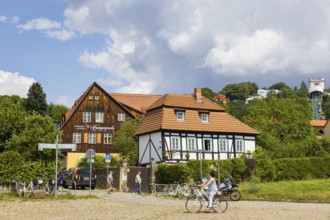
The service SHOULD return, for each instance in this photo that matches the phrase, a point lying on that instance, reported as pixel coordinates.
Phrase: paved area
(130, 206)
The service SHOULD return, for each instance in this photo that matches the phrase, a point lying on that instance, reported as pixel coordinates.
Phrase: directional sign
(107, 157)
(41, 146)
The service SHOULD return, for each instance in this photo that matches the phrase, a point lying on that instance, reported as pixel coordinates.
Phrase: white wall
(149, 150)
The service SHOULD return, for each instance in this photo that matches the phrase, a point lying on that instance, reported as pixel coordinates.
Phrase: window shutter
(85, 138)
(98, 138)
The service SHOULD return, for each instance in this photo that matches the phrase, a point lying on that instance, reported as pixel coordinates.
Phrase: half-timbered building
(94, 118)
(181, 127)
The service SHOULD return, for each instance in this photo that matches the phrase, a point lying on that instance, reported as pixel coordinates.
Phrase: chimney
(198, 94)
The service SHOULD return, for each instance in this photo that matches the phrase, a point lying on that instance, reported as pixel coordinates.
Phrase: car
(79, 177)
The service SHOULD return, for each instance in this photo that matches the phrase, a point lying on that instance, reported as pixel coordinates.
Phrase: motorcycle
(228, 188)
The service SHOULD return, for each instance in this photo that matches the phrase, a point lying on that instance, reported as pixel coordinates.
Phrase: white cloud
(3, 19)
(65, 100)
(14, 84)
(15, 19)
(39, 24)
(62, 35)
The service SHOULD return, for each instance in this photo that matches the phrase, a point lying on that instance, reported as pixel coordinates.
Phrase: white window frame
(99, 117)
(87, 117)
(92, 138)
(191, 144)
(107, 138)
(180, 115)
(175, 143)
(96, 97)
(121, 116)
(204, 147)
(239, 145)
(90, 97)
(76, 137)
(205, 117)
(223, 145)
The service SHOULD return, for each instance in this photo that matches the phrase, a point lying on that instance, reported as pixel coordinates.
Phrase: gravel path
(130, 206)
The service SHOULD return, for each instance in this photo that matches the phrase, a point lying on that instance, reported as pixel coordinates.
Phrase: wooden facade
(92, 121)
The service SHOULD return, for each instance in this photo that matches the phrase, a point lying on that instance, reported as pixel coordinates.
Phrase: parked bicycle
(174, 192)
(197, 200)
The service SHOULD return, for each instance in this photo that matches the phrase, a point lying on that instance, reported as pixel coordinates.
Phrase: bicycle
(195, 202)
(178, 192)
(50, 187)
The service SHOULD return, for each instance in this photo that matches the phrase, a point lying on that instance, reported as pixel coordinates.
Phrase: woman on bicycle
(212, 190)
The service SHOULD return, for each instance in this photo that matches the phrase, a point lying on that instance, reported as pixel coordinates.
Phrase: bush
(172, 173)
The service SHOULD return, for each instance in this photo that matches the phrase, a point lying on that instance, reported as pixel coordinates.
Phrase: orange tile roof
(161, 115)
(185, 101)
(139, 102)
(318, 123)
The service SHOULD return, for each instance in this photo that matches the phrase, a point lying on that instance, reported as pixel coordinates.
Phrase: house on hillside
(319, 125)
(181, 127)
(94, 118)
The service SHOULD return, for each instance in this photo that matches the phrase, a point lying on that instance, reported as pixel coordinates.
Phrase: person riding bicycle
(212, 189)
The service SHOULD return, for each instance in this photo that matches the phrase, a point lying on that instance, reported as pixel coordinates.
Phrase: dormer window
(180, 115)
(205, 117)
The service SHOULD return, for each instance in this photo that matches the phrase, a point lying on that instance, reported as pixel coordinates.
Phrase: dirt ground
(130, 206)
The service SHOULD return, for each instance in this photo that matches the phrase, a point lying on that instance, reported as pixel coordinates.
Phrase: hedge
(243, 168)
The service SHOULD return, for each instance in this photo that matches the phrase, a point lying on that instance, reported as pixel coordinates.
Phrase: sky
(158, 47)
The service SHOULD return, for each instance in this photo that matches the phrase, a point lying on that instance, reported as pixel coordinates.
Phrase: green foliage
(326, 106)
(292, 169)
(12, 115)
(56, 112)
(35, 129)
(126, 142)
(265, 170)
(13, 166)
(99, 162)
(237, 109)
(253, 185)
(208, 93)
(240, 91)
(36, 99)
(284, 126)
(171, 173)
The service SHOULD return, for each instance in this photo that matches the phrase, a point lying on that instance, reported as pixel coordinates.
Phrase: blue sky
(144, 46)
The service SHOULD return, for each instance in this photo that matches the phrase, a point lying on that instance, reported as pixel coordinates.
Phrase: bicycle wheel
(180, 194)
(220, 204)
(159, 191)
(167, 193)
(235, 195)
(193, 204)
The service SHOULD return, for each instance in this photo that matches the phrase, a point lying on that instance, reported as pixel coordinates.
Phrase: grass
(67, 196)
(314, 191)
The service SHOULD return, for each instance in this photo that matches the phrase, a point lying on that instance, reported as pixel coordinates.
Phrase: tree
(35, 129)
(208, 93)
(238, 109)
(240, 91)
(326, 106)
(284, 124)
(126, 142)
(56, 112)
(12, 114)
(36, 99)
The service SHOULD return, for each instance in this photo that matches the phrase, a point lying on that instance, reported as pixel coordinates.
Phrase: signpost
(90, 154)
(107, 160)
(56, 146)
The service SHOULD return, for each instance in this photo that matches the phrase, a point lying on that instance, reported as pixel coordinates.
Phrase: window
(99, 117)
(90, 97)
(87, 116)
(223, 145)
(191, 143)
(180, 116)
(76, 138)
(175, 143)
(207, 145)
(205, 117)
(96, 97)
(107, 138)
(239, 145)
(121, 116)
(92, 138)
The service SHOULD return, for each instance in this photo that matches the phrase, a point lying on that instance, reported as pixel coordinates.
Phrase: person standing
(110, 182)
(138, 182)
